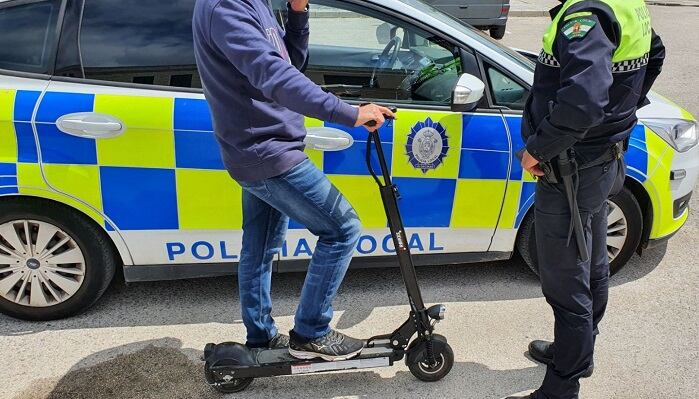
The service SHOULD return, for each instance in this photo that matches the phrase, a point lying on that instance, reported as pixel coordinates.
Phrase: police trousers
(577, 291)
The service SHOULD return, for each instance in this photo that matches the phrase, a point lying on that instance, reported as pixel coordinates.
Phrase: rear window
(135, 41)
(28, 35)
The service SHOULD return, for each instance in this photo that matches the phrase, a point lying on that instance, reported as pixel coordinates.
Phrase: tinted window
(28, 36)
(133, 41)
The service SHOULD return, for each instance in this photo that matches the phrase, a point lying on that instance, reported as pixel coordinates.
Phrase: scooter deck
(275, 362)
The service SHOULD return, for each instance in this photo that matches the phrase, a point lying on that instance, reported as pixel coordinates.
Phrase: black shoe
(280, 341)
(542, 351)
(332, 346)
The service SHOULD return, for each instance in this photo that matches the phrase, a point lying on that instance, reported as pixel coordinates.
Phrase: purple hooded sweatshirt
(249, 69)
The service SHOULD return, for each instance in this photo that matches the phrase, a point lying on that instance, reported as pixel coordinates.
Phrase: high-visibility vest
(635, 25)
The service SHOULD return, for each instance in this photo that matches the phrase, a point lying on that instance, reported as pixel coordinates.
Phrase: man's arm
(584, 52)
(242, 40)
(656, 58)
(297, 32)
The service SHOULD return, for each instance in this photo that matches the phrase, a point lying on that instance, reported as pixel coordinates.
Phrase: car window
(471, 32)
(135, 41)
(357, 54)
(505, 91)
(27, 36)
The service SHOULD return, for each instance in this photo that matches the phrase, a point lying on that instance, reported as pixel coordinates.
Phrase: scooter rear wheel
(227, 384)
(422, 368)
(233, 386)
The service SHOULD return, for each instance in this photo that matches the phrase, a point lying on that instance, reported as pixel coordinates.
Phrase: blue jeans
(305, 194)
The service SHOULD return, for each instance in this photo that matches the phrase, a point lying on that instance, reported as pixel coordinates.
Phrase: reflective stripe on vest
(633, 18)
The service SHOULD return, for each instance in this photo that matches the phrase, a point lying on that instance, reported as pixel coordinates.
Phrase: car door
(26, 61)
(125, 128)
(451, 168)
(509, 94)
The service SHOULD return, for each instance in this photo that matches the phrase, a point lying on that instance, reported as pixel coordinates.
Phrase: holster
(553, 170)
(550, 175)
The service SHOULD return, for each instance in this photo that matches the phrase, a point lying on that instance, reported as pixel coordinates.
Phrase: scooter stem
(389, 197)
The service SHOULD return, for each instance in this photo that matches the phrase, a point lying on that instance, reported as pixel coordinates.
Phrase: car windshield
(471, 32)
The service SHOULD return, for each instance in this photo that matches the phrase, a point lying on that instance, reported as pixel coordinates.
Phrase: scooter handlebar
(373, 123)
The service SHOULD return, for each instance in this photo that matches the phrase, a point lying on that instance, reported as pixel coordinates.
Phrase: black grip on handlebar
(372, 123)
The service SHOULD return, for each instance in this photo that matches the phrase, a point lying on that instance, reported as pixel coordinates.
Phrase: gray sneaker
(333, 346)
(279, 341)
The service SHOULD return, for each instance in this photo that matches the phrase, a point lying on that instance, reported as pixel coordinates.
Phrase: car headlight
(679, 133)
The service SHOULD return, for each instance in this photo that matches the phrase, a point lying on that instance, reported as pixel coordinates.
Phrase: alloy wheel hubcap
(40, 264)
(617, 230)
(33, 263)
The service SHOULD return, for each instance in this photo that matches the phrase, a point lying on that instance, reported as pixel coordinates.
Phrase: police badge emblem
(427, 145)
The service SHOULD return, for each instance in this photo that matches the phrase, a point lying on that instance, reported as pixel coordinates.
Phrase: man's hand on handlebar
(298, 5)
(373, 113)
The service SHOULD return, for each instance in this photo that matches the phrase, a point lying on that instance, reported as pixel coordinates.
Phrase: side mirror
(467, 93)
(327, 139)
(385, 32)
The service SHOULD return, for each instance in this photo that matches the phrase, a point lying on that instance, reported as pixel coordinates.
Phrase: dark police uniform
(599, 60)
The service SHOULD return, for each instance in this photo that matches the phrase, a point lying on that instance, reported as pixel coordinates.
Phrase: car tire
(627, 224)
(497, 32)
(83, 269)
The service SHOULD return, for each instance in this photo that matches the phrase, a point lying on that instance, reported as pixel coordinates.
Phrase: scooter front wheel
(422, 367)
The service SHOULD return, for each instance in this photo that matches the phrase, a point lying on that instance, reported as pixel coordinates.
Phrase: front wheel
(426, 369)
(624, 229)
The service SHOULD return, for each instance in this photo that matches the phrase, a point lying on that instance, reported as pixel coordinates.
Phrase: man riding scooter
(249, 69)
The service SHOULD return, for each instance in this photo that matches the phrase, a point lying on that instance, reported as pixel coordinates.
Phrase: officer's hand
(298, 5)
(373, 112)
(531, 164)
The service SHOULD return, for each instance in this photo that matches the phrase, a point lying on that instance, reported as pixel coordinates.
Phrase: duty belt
(564, 169)
(611, 154)
(617, 67)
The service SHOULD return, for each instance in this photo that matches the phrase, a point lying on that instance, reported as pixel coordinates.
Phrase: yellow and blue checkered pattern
(165, 170)
(464, 191)
(17, 144)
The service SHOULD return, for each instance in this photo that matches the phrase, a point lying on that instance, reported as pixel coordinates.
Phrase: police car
(108, 158)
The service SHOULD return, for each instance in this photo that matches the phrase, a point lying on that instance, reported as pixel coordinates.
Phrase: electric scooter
(231, 366)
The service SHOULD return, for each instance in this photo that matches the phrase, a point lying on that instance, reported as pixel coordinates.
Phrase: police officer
(599, 60)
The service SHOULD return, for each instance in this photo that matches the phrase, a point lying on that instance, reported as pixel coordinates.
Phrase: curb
(528, 13)
(671, 4)
(513, 13)
(331, 14)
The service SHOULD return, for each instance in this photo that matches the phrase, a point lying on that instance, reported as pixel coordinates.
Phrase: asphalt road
(144, 340)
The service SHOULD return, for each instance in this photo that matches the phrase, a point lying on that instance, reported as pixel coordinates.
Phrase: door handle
(90, 125)
(328, 143)
(327, 139)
